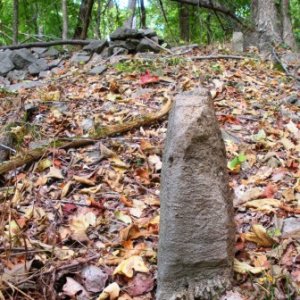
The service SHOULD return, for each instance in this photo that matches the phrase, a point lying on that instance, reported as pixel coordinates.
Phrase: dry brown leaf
(266, 204)
(133, 263)
(259, 236)
(83, 180)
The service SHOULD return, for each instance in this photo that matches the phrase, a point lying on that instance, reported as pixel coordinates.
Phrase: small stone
(24, 85)
(96, 46)
(52, 52)
(39, 50)
(80, 58)
(87, 124)
(17, 75)
(291, 228)
(98, 70)
(238, 42)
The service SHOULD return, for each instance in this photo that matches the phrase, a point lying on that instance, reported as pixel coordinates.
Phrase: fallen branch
(103, 132)
(47, 44)
(221, 57)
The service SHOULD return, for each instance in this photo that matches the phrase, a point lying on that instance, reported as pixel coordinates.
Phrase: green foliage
(43, 18)
(238, 160)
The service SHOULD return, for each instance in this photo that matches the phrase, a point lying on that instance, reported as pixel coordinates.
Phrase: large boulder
(38, 66)
(123, 33)
(96, 46)
(6, 64)
(196, 240)
(22, 58)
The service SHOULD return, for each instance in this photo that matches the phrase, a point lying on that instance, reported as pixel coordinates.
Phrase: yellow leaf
(44, 164)
(91, 190)
(83, 180)
(268, 204)
(111, 292)
(16, 199)
(65, 189)
(133, 263)
(80, 223)
(259, 236)
(122, 217)
(244, 268)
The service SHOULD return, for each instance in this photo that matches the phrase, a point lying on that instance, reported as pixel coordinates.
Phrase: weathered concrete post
(196, 239)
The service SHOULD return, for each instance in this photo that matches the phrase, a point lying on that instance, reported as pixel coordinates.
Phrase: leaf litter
(83, 223)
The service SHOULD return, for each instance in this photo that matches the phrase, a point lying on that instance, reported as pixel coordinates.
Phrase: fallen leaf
(147, 78)
(244, 268)
(72, 288)
(133, 263)
(111, 292)
(94, 278)
(55, 173)
(83, 180)
(259, 236)
(140, 284)
(268, 204)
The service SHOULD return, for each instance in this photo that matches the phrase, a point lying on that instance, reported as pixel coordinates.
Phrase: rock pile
(16, 65)
(19, 63)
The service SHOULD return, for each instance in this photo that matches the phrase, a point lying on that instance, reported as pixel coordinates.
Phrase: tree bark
(184, 22)
(84, 18)
(98, 20)
(131, 7)
(15, 21)
(287, 30)
(195, 253)
(64, 7)
(143, 14)
(272, 24)
(214, 5)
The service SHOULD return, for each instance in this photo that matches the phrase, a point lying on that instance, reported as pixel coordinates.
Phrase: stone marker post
(195, 256)
(238, 42)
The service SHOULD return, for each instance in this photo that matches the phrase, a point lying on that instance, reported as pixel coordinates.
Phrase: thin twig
(7, 148)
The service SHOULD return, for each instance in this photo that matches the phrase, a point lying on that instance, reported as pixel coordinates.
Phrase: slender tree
(15, 21)
(184, 21)
(131, 7)
(64, 7)
(84, 18)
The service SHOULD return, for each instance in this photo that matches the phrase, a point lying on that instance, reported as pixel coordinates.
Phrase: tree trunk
(65, 19)
(129, 23)
(195, 253)
(287, 30)
(143, 14)
(184, 22)
(98, 20)
(15, 21)
(272, 24)
(84, 18)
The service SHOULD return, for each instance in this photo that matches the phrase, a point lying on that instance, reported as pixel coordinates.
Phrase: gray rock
(38, 66)
(87, 124)
(39, 50)
(38, 144)
(291, 228)
(96, 46)
(155, 39)
(291, 59)
(105, 53)
(125, 33)
(293, 99)
(17, 75)
(45, 74)
(80, 58)
(98, 70)
(54, 63)
(51, 52)
(148, 32)
(129, 44)
(146, 45)
(238, 42)
(116, 50)
(24, 85)
(196, 241)
(6, 65)
(4, 82)
(21, 58)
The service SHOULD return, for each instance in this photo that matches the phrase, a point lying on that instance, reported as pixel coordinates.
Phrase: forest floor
(83, 223)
